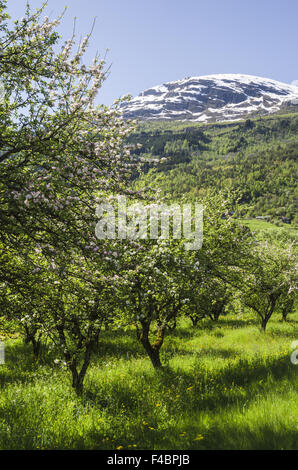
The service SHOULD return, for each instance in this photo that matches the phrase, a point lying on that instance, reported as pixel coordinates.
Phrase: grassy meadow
(81, 276)
(225, 385)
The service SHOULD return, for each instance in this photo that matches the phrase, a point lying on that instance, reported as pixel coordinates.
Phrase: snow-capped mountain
(221, 97)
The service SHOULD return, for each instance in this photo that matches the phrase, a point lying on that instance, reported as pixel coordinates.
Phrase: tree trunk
(173, 326)
(266, 318)
(284, 315)
(155, 358)
(77, 382)
(217, 311)
(78, 377)
(152, 350)
(194, 320)
(153, 353)
(264, 324)
(36, 344)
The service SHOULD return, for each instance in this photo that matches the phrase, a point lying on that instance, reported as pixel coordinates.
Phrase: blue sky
(154, 41)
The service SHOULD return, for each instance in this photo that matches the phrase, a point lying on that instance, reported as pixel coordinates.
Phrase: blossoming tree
(60, 155)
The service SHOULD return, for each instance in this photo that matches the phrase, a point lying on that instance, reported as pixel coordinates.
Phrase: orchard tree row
(61, 155)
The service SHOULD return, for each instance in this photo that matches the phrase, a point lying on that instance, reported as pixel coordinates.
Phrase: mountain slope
(212, 98)
(255, 158)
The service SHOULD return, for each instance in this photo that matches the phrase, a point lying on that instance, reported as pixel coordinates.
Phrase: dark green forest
(255, 159)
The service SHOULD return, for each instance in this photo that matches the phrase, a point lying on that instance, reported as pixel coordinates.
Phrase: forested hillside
(255, 158)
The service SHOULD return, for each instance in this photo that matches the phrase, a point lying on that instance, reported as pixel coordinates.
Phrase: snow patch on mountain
(211, 98)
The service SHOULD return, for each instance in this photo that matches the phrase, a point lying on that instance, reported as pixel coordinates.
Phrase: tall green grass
(224, 386)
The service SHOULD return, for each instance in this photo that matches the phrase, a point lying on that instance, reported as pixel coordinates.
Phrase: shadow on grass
(119, 344)
(20, 365)
(234, 436)
(202, 389)
(210, 390)
(290, 332)
(172, 352)
(238, 322)
(205, 392)
(185, 333)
